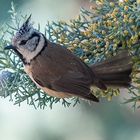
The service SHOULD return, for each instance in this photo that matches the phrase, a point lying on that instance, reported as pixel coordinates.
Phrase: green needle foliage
(94, 35)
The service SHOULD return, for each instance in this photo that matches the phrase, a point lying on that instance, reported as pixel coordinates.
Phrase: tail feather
(115, 71)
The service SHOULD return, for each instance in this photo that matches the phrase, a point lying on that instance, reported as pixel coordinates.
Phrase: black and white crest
(26, 26)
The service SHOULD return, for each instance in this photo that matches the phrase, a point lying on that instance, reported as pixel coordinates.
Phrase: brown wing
(58, 69)
(73, 85)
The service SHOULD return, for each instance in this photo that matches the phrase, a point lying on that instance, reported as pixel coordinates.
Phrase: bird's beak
(9, 47)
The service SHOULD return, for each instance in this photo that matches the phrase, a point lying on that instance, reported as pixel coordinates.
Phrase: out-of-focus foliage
(5, 6)
(94, 35)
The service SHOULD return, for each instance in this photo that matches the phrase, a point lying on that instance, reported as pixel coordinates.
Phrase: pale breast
(50, 92)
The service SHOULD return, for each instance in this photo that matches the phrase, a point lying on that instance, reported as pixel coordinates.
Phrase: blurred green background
(103, 121)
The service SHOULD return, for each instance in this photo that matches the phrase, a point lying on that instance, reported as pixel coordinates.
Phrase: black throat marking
(20, 56)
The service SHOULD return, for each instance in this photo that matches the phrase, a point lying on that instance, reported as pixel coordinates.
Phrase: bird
(60, 73)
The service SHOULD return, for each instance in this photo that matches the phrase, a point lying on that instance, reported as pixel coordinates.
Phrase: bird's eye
(23, 42)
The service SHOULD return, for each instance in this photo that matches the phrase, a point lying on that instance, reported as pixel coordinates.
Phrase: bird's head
(27, 42)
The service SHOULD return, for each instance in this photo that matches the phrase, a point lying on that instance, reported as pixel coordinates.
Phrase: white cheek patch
(32, 44)
(30, 54)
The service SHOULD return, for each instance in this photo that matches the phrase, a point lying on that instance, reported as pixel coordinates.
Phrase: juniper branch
(96, 34)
